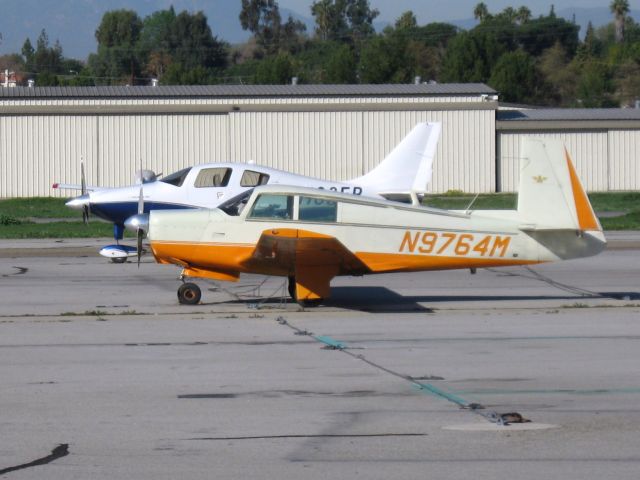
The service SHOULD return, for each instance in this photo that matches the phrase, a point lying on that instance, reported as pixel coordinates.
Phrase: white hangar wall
(588, 150)
(344, 145)
(330, 133)
(604, 144)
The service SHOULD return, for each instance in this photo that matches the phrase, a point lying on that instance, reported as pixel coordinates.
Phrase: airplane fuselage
(352, 236)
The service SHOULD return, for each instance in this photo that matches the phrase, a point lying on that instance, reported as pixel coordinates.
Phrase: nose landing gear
(189, 294)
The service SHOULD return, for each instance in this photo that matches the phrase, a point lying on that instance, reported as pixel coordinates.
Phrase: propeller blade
(141, 201)
(83, 189)
(140, 234)
(85, 214)
(83, 181)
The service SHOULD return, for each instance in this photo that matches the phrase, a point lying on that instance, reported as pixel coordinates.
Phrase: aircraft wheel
(118, 259)
(189, 294)
(292, 287)
(310, 303)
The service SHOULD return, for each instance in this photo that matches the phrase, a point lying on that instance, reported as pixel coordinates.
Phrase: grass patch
(37, 207)
(455, 200)
(630, 221)
(615, 201)
(56, 230)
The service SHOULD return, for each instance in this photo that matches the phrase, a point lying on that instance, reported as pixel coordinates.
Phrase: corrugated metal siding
(624, 156)
(464, 158)
(162, 143)
(589, 151)
(319, 144)
(36, 151)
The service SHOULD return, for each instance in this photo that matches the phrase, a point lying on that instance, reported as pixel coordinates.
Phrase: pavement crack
(60, 451)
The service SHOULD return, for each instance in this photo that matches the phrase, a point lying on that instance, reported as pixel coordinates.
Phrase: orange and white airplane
(312, 236)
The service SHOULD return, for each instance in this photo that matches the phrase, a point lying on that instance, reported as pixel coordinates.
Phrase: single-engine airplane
(406, 169)
(311, 236)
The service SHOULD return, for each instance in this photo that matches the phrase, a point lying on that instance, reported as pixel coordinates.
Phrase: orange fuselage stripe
(235, 258)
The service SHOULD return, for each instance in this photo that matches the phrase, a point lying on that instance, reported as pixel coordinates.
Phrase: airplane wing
(73, 186)
(289, 250)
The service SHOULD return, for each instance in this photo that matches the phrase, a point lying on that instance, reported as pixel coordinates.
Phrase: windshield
(234, 205)
(176, 178)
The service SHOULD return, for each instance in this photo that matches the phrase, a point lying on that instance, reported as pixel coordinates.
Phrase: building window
(317, 210)
(273, 206)
(253, 179)
(213, 177)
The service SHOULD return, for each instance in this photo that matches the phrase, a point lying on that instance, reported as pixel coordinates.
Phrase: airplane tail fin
(409, 165)
(551, 196)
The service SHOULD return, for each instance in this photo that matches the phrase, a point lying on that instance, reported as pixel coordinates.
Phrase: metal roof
(568, 114)
(423, 89)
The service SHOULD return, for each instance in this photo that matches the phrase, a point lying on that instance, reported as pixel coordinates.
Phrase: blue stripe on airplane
(118, 212)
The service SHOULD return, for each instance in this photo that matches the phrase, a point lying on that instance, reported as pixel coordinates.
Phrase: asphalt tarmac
(104, 375)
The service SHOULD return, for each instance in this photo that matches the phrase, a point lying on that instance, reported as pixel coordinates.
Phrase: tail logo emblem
(539, 179)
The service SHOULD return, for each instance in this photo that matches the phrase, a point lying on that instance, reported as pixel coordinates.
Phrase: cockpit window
(253, 179)
(235, 205)
(213, 177)
(275, 206)
(317, 210)
(177, 178)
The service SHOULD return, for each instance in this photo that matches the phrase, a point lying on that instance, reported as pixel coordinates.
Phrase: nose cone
(79, 202)
(137, 222)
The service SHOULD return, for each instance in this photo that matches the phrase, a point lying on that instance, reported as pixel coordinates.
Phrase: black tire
(118, 259)
(292, 287)
(189, 294)
(311, 303)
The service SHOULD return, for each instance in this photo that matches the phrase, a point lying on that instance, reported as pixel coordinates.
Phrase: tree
(193, 45)
(360, 17)
(542, 33)
(481, 12)
(330, 20)
(559, 76)
(591, 46)
(341, 65)
(43, 62)
(523, 15)
(377, 61)
(515, 77)
(275, 70)
(154, 44)
(117, 36)
(594, 86)
(619, 8)
(627, 82)
(406, 21)
(262, 18)
(338, 19)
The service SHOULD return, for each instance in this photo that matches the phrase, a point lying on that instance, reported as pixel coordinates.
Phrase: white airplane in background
(405, 172)
(311, 236)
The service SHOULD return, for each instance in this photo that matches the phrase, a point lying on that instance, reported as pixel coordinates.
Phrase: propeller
(140, 231)
(83, 189)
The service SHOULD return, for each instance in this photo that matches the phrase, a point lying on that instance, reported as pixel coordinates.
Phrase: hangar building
(330, 131)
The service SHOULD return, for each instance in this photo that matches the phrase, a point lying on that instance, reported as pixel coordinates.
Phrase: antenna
(467, 210)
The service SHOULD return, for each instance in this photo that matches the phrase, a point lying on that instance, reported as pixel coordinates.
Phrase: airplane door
(210, 186)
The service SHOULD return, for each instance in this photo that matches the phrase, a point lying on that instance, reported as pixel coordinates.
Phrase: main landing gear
(303, 303)
(189, 294)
